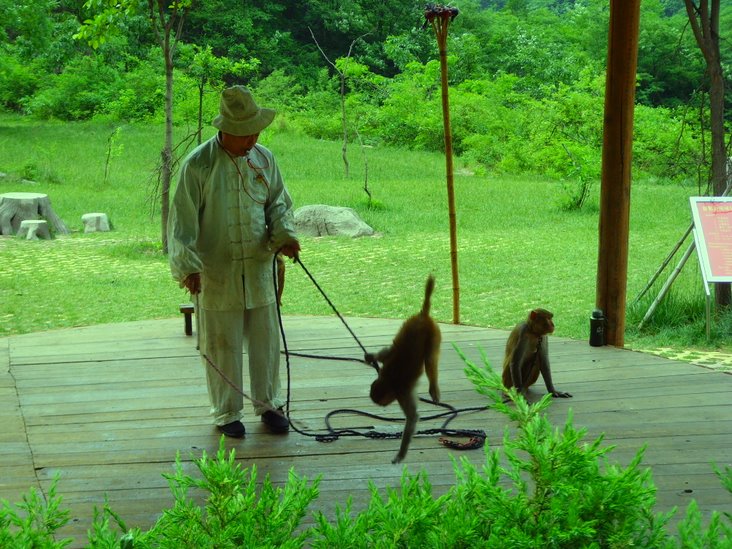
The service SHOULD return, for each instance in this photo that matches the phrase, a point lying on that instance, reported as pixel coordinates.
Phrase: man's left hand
(290, 248)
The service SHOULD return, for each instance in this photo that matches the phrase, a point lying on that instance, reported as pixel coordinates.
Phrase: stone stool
(95, 222)
(33, 229)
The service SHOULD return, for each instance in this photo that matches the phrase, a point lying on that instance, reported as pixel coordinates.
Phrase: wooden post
(612, 264)
(440, 17)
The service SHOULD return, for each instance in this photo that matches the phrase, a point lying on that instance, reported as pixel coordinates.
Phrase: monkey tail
(429, 287)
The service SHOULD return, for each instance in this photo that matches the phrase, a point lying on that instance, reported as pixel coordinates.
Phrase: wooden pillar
(612, 263)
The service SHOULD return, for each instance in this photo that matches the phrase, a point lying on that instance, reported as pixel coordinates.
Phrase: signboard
(713, 235)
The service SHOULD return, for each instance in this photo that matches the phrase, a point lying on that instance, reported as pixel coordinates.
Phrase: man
(230, 214)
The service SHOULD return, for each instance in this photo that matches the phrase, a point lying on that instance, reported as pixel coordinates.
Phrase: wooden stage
(108, 407)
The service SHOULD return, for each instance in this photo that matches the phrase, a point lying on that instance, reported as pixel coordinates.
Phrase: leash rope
(477, 436)
(365, 352)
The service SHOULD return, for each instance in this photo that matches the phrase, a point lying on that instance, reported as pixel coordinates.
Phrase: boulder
(322, 220)
(95, 222)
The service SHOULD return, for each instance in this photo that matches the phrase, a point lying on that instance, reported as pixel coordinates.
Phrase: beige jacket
(227, 223)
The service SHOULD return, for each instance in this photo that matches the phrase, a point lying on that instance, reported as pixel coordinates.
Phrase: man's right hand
(192, 283)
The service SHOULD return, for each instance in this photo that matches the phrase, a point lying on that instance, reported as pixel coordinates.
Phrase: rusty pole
(440, 18)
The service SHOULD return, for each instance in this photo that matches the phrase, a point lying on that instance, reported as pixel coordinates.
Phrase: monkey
(416, 348)
(527, 354)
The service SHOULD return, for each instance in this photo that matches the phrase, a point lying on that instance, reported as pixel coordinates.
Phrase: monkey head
(540, 321)
(381, 393)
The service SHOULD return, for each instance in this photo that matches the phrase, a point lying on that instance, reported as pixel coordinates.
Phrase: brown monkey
(527, 354)
(416, 348)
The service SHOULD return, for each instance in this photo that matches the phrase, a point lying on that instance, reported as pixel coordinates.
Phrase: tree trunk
(17, 207)
(167, 152)
(199, 131)
(704, 20)
(722, 292)
(344, 149)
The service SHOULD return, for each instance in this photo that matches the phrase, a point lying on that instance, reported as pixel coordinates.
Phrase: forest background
(526, 79)
(526, 76)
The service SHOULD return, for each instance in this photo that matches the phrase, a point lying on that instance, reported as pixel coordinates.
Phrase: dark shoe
(235, 429)
(276, 421)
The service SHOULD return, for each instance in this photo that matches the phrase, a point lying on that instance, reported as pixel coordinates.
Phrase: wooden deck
(108, 407)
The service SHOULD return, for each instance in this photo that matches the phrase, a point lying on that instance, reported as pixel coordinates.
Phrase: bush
(18, 81)
(139, 95)
(84, 89)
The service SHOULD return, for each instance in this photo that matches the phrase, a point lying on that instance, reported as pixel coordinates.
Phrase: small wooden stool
(187, 309)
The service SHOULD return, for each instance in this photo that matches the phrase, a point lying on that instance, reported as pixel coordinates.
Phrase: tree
(166, 21)
(208, 70)
(704, 20)
(341, 69)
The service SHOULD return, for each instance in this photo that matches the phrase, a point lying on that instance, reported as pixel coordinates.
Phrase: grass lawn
(517, 248)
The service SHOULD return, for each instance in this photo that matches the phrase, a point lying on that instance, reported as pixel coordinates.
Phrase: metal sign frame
(713, 239)
(713, 236)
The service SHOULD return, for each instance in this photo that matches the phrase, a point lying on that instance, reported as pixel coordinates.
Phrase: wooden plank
(108, 408)
(17, 473)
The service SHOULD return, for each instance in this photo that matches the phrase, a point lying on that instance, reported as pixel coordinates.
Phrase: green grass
(517, 248)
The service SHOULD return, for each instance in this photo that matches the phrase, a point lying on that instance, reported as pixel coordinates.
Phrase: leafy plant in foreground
(33, 523)
(552, 489)
(237, 512)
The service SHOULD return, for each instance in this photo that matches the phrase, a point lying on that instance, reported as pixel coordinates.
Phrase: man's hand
(192, 283)
(290, 248)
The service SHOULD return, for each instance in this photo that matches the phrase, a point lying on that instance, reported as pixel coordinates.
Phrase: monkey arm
(520, 351)
(546, 371)
(381, 356)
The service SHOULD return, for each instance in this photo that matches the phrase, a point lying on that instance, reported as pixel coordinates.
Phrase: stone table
(17, 207)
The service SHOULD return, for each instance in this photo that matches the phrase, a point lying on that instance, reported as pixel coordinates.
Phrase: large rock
(95, 222)
(322, 220)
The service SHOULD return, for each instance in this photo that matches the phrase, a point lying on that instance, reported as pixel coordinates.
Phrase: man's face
(238, 145)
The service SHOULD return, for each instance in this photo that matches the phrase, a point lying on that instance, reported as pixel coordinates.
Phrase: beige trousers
(225, 335)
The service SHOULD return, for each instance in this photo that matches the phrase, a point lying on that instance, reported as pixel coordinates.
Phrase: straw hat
(240, 115)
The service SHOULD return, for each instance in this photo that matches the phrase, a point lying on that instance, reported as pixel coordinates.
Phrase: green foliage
(238, 511)
(34, 523)
(137, 95)
(526, 76)
(77, 93)
(407, 517)
(18, 81)
(563, 492)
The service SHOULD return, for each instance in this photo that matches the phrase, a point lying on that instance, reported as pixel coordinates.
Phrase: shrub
(18, 81)
(139, 94)
(236, 513)
(561, 491)
(33, 523)
(80, 92)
